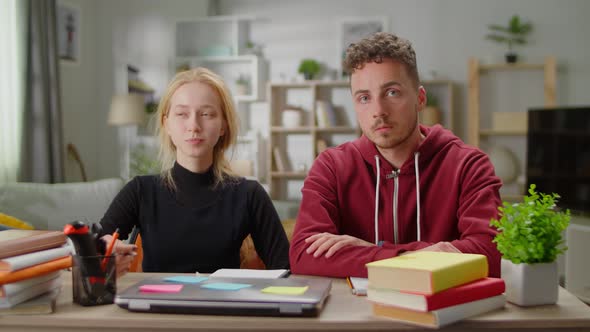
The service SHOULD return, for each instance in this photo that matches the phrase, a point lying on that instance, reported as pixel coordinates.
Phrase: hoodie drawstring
(377, 201)
(416, 155)
(417, 173)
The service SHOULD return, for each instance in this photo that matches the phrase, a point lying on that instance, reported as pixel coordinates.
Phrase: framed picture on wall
(352, 30)
(68, 32)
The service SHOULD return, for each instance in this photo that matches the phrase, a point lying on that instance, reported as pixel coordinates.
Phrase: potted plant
(530, 239)
(515, 33)
(242, 84)
(430, 115)
(309, 68)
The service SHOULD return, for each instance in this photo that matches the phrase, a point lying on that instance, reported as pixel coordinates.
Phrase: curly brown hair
(378, 46)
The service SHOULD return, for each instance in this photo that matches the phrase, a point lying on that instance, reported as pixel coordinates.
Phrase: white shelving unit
(220, 44)
(230, 67)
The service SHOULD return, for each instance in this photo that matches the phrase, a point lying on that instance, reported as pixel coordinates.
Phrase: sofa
(51, 206)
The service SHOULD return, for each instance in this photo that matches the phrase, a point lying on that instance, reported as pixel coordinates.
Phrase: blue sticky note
(185, 279)
(225, 286)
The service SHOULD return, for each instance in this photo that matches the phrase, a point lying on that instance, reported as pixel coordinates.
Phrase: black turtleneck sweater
(198, 227)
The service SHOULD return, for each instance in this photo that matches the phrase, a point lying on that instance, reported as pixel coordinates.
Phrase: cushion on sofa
(51, 206)
(12, 222)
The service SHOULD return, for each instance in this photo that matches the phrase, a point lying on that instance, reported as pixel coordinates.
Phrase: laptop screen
(293, 296)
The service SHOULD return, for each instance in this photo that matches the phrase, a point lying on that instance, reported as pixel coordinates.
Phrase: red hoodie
(459, 194)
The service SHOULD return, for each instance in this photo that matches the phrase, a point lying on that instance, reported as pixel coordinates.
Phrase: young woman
(196, 213)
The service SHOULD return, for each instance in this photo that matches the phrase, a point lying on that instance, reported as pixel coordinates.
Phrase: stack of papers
(250, 273)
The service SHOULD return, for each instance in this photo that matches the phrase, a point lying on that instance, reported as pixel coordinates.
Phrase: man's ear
(421, 98)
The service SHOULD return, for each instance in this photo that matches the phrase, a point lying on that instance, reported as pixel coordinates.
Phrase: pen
(349, 283)
(110, 249)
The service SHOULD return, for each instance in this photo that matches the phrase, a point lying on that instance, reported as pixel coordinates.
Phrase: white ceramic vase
(530, 284)
(291, 118)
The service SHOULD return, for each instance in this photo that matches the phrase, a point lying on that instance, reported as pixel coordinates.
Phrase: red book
(477, 290)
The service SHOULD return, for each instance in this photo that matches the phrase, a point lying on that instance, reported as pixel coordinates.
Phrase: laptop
(196, 298)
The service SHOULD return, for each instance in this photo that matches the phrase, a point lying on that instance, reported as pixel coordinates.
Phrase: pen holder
(93, 285)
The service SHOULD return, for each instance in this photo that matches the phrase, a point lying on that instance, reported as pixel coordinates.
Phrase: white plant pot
(530, 284)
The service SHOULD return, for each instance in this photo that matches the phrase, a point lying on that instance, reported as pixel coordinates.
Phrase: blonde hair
(167, 154)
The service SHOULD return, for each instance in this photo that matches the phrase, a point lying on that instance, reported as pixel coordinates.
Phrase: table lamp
(127, 111)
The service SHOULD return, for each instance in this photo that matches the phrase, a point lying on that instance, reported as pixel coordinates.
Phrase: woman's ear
(223, 128)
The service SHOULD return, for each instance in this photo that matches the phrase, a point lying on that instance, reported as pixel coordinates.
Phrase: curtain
(12, 66)
(42, 152)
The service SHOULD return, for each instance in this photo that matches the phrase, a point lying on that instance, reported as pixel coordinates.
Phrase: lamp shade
(127, 110)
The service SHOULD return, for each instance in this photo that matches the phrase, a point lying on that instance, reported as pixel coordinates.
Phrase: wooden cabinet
(507, 126)
(320, 113)
(325, 118)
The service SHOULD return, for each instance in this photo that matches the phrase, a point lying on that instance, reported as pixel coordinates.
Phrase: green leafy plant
(431, 100)
(143, 161)
(515, 33)
(242, 80)
(309, 68)
(530, 232)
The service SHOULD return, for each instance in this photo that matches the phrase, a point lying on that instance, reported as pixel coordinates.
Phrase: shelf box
(510, 121)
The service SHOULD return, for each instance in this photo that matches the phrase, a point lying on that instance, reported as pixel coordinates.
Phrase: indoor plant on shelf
(430, 114)
(242, 85)
(515, 33)
(309, 68)
(530, 239)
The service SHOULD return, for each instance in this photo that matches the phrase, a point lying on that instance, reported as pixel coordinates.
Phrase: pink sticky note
(160, 288)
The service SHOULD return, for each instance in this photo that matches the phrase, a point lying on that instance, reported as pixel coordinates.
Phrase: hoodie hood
(437, 140)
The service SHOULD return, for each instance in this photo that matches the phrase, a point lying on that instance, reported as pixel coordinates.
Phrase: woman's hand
(125, 253)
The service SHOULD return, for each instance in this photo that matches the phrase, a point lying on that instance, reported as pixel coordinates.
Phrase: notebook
(293, 296)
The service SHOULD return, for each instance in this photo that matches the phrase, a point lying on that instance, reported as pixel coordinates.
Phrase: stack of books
(433, 289)
(30, 270)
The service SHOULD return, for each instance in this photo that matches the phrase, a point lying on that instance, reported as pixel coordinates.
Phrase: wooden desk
(343, 312)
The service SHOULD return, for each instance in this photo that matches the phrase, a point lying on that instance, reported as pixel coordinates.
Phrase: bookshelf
(508, 127)
(298, 144)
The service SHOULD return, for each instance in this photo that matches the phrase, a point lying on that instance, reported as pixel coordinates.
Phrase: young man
(401, 186)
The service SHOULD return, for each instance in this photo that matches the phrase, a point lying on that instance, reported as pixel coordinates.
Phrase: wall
(115, 33)
(444, 33)
(78, 96)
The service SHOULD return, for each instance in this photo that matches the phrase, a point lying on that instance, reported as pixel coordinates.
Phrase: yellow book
(427, 272)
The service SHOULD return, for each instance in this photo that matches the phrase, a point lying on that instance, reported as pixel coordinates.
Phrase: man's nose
(379, 109)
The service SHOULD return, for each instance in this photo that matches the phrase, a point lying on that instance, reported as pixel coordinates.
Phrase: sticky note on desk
(185, 279)
(160, 288)
(227, 286)
(285, 290)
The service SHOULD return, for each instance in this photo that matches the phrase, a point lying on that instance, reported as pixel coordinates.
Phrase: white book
(31, 292)
(250, 273)
(280, 162)
(9, 289)
(26, 260)
(42, 304)
(440, 317)
(358, 285)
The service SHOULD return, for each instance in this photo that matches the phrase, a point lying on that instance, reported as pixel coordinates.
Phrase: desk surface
(343, 312)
